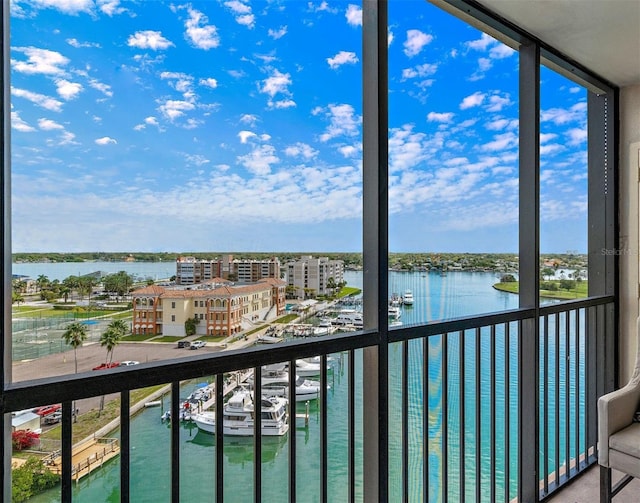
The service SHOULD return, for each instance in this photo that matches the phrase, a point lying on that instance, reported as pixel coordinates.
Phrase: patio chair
(618, 434)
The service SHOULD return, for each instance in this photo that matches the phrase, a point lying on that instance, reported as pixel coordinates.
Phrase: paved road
(92, 354)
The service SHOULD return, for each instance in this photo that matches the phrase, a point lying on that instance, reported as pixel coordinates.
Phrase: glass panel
(453, 165)
(186, 131)
(563, 187)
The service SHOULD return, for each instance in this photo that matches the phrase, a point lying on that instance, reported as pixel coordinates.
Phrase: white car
(127, 363)
(198, 344)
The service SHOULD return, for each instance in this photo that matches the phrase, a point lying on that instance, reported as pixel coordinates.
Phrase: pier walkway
(86, 457)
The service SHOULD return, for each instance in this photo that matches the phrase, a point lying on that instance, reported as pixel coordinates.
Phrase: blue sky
(237, 126)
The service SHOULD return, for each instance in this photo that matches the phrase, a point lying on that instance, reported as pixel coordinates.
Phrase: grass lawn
(139, 337)
(579, 292)
(168, 338)
(92, 421)
(286, 319)
(348, 290)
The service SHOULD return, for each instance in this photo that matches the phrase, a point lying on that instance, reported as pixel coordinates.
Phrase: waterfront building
(220, 307)
(309, 276)
(192, 271)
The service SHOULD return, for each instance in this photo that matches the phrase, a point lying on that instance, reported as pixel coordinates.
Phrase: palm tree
(75, 334)
(115, 331)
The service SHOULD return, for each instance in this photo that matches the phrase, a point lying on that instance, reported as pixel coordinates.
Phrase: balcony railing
(456, 404)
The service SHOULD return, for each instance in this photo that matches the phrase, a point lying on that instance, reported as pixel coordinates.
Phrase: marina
(435, 297)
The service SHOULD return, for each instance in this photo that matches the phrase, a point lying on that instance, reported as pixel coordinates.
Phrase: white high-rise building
(310, 275)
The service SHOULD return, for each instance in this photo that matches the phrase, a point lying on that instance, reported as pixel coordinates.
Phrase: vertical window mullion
(529, 267)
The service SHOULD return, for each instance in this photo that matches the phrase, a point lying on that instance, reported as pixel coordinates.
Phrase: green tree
(190, 326)
(332, 285)
(120, 283)
(31, 478)
(16, 298)
(116, 330)
(42, 282)
(75, 335)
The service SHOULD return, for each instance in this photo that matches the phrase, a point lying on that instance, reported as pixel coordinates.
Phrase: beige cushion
(627, 441)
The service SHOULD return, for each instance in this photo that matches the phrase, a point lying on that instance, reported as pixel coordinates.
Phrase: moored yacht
(407, 298)
(239, 416)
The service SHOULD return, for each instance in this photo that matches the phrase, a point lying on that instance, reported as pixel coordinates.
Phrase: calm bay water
(436, 297)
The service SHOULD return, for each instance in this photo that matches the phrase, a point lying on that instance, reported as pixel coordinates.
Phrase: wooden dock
(86, 457)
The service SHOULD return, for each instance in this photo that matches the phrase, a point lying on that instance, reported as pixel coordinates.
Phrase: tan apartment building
(220, 307)
(192, 271)
(311, 275)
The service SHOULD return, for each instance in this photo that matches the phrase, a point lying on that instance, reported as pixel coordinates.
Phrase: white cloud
(301, 150)
(249, 119)
(200, 34)
(105, 140)
(72, 7)
(473, 100)
(68, 90)
(209, 82)
(39, 99)
(416, 40)
(20, 125)
(242, 13)
(440, 117)
(152, 121)
(196, 159)
(277, 83)
(73, 42)
(560, 116)
(423, 70)
(349, 151)
(40, 61)
(103, 88)
(48, 124)
(577, 136)
(286, 103)
(343, 122)
(259, 161)
(497, 103)
(277, 34)
(482, 43)
(67, 138)
(172, 109)
(342, 58)
(245, 135)
(149, 39)
(354, 15)
(110, 7)
(501, 142)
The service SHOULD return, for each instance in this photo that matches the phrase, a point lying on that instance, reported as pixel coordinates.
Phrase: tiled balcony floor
(586, 489)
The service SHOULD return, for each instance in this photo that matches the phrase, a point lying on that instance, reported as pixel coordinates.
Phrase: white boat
(394, 313)
(239, 416)
(407, 298)
(269, 339)
(277, 384)
(308, 369)
(349, 318)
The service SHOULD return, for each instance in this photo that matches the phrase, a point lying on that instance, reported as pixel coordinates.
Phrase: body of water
(437, 297)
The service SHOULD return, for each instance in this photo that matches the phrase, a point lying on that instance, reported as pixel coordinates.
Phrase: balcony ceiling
(602, 35)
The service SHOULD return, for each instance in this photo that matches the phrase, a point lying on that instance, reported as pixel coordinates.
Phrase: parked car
(53, 418)
(45, 410)
(104, 366)
(184, 344)
(198, 344)
(128, 363)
